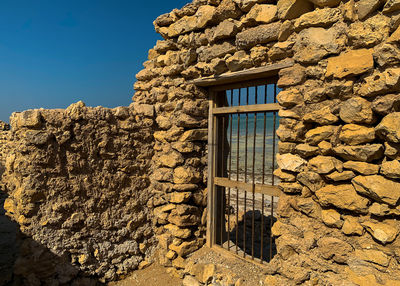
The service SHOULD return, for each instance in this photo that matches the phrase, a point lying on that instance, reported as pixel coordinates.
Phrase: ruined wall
(76, 181)
(339, 130)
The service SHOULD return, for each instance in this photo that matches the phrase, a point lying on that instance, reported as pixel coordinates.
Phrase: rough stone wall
(339, 128)
(77, 186)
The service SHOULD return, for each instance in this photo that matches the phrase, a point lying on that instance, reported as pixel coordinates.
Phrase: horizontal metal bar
(247, 108)
(243, 75)
(259, 188)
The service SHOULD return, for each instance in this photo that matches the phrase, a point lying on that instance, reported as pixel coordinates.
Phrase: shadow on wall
(24, 261)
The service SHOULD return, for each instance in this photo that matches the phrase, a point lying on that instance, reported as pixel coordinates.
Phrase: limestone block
(179, 197)
(356, 110)
(325, 147)
(311, 180)
(289, 162)
(306, 150)
(246, 5)
(281, 50)
(349, 11)
(194, 135)
(364, 153)
(319, 134)
(385, 232)
(315, 43)
(177, 231)
(366, 7)
(392, 150)
(351, 226)
(291, 76)
(341, 176)
(186, 175)
(318, 18)
(325, 164)
(370, 32)
(331, 218)
(171, 160)
(389, 128)
(163, 174)
(343, 197)
(173, 134)
(353, 134)
(224, 30)
(285, 30)
(322, 116)
(379, 82)
(386, 54)
(239, 61)
(291, 9)
(334, 248)
(261, 34)
(291, 188)
(386, 104)
(383, 210)
(215, 51)
(261, 13)
(186, 247)
(289, 97)
(350, 63)
(372, 255)
(391, 5)
(285, 176)
(362, 167)
(325, 3)
(391, 169)
(378, 188)
(28, 118)
(225, 10)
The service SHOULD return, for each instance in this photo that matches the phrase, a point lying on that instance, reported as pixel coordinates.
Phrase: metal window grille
(242, 187)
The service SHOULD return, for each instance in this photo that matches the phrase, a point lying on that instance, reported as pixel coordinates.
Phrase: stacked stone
(77, 186)
(339, 129)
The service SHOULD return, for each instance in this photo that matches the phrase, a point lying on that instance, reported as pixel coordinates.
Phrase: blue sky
(54, 53)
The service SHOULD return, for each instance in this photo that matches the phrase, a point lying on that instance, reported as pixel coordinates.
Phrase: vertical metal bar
(245, 177)
(253, 175)
(273, 178)
(237, 176)
(230, 170)
(222, 134)
(263, 176)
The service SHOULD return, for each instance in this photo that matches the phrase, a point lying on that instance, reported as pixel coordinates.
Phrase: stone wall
(339, 131)
(77, 186)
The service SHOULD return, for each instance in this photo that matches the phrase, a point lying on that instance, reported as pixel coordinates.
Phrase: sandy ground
(154, 275)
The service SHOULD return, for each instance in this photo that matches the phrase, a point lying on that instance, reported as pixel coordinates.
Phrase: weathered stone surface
(258, 35)
(172, 159)
(261, 13)
(383, 210)
(342, 197)
(391, 5)
(29, 118)
(185, 247)
(384, 232)
(336, 249)
(353, 134)
(289, 97)
(389, 128)
(322, 116)
(325, 148)
(305, 150)
(280, 51)
(291, 76)
(351, 226)
(341, 176)
(374, 256)
(331, 218)
(391, 169)
(325, 164)
(290, 162)
(350, 63)
(239, 61)
(325, 3)
(290, 9)
(386, 54)
(364, 153)
(318, 18)
(366, 7)
(285, 30)
(316, 135)
(315, 43)
(378, 188)
(370, 32)
(311, 180)
(215, 51)
(379, 82)
(290, 130)
(386, 104)
(356, 110)
(349, 11)
(224, 30)
(362, 167)
(392, 150)
(291, 188)
(179, 197)
(194, 135)
(186, 175)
